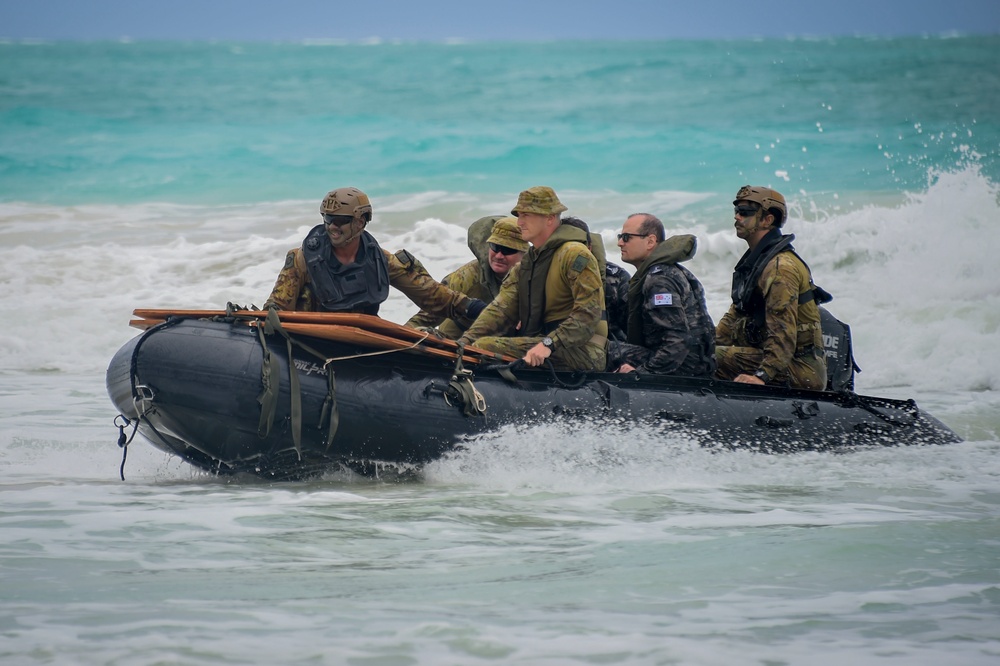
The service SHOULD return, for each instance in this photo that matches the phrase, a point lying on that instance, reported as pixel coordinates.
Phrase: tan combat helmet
(768, 199)
(349, 201)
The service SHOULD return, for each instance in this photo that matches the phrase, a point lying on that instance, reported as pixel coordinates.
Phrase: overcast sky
(436, 20)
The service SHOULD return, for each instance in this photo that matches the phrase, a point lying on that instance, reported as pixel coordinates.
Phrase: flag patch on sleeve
(663, 299)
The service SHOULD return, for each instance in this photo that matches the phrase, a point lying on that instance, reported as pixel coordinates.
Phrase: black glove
(474, 308)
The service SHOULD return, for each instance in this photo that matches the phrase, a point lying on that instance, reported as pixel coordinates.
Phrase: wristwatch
(547, 341)
(761, 375)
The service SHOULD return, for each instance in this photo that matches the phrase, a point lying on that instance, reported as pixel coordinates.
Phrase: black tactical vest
(748, 299)
(359, 287)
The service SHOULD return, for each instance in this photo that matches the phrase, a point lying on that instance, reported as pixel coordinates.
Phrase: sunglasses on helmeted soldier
(337, 220)
(746, 210)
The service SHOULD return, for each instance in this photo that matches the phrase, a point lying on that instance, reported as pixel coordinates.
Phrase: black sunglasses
(338, 220)
(626, 237)
(746, 210)
(500, 249)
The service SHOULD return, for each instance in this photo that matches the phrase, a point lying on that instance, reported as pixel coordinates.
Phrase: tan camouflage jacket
(573, 295)
(790, 327)
(467, 279)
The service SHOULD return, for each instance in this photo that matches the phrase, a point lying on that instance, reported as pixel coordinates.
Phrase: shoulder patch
(579, 263)
(612, 270)
(289, 260)
(656, 269)
(405, 258)
(660, 300)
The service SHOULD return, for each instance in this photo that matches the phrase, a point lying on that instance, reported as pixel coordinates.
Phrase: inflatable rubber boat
(290, 395)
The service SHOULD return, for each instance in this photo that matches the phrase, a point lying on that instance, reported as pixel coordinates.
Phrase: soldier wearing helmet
(497, 245)
(341, 268)
(552, 302)
(771, 333)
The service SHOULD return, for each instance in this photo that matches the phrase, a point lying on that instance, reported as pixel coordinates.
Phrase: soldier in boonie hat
(540, 199)
(507, 234)
(552, 302)
(496, 242)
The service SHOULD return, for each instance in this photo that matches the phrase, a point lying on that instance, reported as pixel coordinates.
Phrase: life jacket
(597, 249)
(748, 298)
(358, 287)
(533, 271)
(670, 251)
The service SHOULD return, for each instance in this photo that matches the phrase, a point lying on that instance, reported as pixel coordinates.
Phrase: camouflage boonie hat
(541, 200)
(507, 233)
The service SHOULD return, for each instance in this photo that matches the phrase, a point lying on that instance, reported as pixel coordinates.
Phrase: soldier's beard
(341, 236)
(748, 225)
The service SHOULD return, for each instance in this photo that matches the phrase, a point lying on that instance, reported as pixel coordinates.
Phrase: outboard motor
(840, 364)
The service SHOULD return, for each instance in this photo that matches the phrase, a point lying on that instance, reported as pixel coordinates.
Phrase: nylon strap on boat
(330, 406)
(473, 402)
(272, 325)
(268, 396)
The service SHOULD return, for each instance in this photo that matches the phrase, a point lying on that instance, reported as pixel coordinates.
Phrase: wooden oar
(366, 330)
(363, 321)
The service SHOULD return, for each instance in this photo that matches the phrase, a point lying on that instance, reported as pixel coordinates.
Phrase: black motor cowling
(840, 364)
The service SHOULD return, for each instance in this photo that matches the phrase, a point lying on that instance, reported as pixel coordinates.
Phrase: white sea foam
(916, 279)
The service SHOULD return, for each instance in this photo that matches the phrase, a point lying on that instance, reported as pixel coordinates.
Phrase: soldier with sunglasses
(341, 268)
(480, 278)
(669, 329)
(771, 333)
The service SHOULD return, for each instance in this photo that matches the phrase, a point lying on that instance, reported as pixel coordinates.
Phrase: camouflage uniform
(579, 339)
(616, 300)
(466, 280)
(475, 279)
(676, 334)
(791, 351)
(292, 290)
(569, 304)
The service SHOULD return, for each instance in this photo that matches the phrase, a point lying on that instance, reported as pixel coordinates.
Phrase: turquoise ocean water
(176, 174)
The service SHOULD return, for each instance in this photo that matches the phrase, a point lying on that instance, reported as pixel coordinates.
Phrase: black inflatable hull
(194, 388)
